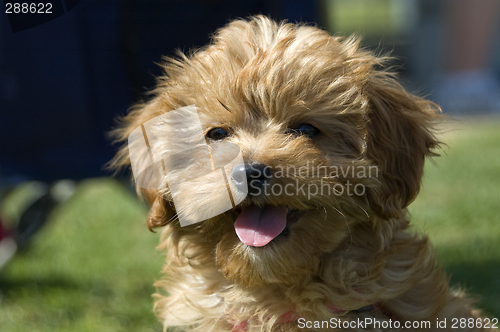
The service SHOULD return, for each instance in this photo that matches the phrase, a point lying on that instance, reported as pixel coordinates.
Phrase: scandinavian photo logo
(172, 147)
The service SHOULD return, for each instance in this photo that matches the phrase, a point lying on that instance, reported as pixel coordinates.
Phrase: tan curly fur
(257, 79)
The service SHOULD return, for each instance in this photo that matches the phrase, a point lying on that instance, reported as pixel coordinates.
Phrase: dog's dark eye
(217, 133)
(304, 129)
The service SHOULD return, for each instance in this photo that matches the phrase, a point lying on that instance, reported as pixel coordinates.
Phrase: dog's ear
(400, 135)
(162, 210)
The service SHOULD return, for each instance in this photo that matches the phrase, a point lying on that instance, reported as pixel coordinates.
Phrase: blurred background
(75, 254)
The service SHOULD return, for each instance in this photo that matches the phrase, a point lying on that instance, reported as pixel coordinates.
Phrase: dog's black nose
(256, 176)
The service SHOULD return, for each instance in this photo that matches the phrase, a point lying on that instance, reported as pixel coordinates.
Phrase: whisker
(227, 109)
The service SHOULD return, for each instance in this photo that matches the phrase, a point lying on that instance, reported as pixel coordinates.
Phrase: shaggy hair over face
(290, 97)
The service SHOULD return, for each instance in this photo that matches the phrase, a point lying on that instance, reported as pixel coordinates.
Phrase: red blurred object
(4, 232)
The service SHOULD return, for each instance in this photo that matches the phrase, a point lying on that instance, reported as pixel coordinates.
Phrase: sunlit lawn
(459, 207)
(91, 268)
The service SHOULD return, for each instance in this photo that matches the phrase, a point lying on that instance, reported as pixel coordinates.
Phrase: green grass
(91, 268)
(459, 207)
(371, 19)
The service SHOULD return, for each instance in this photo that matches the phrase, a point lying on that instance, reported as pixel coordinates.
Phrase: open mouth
(257, 226)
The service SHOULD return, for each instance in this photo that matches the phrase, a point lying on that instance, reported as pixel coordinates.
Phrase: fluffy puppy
(333, 151)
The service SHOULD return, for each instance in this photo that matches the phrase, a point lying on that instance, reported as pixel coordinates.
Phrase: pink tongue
(257, 226)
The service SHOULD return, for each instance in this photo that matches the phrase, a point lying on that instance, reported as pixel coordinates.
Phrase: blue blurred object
(62, 83)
